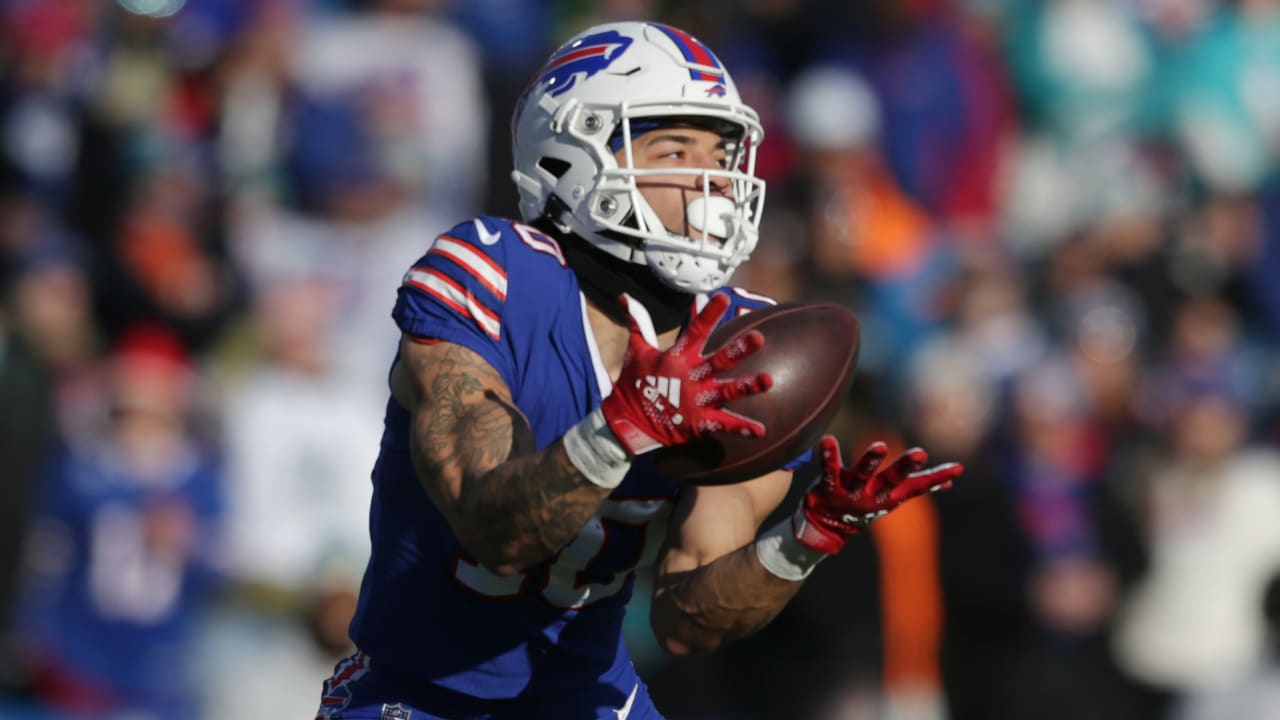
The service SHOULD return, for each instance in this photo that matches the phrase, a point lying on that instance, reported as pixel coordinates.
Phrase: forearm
(513, 506)
(474, 453)
(698, 610)
(526, 509)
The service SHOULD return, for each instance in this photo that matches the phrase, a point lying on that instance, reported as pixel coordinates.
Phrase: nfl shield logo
(396, 712)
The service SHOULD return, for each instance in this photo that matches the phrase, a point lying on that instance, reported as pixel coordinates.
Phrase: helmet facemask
(721, 221)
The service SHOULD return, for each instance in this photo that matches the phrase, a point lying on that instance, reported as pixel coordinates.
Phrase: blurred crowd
(1058, 223)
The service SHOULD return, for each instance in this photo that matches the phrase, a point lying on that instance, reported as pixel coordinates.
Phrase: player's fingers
(732, 352)
(829, 451)
(731, 422)
(907, 463)
(704, 322)
(887, 480)
(934, 479)
(864, 469)
(637, 346)
(729, 390)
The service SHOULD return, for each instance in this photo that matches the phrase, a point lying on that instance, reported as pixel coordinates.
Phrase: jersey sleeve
(457, 292)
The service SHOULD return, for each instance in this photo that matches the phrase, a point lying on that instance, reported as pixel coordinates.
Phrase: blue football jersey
(427, 609)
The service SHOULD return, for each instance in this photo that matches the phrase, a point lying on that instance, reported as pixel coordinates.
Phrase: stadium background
(1059, 222)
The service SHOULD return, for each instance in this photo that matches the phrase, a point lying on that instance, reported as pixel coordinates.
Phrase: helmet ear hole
(555, 166)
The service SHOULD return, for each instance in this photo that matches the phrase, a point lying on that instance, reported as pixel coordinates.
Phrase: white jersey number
(566, 584)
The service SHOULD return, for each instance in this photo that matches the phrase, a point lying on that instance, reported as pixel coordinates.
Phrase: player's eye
(666, 151)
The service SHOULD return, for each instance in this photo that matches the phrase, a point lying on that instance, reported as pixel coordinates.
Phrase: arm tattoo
(525, 505)
(728, 599)
(556, 501)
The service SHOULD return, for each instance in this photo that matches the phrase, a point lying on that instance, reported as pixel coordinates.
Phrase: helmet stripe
(694, 51)
(576, 55)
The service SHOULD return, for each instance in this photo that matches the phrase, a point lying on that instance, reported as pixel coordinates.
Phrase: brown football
(810, 350)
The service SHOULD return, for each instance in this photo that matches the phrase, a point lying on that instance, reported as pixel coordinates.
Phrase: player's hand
(665, 398)
(845, 499)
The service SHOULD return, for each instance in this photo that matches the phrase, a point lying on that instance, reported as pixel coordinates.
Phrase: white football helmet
(601, 89)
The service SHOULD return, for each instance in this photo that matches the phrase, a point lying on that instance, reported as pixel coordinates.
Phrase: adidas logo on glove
(657, 389)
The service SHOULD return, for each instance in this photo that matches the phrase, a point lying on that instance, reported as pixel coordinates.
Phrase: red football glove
(669, 398)
(845, 499)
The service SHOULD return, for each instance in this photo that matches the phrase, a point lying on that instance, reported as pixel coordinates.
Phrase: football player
(541, 362)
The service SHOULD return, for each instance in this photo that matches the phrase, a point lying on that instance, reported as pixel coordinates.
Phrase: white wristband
(593, 449)
(781, 554)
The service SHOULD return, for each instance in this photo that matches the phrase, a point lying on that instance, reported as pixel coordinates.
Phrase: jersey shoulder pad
(467, 270)
(508, 240)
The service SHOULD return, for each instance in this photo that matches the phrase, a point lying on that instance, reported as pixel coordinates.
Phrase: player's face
(682, 148)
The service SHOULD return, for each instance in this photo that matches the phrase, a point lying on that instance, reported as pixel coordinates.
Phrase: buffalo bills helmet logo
(582, 58)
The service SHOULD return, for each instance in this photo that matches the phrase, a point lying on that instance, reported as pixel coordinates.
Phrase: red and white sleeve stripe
(475, 262)
(453, 295)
